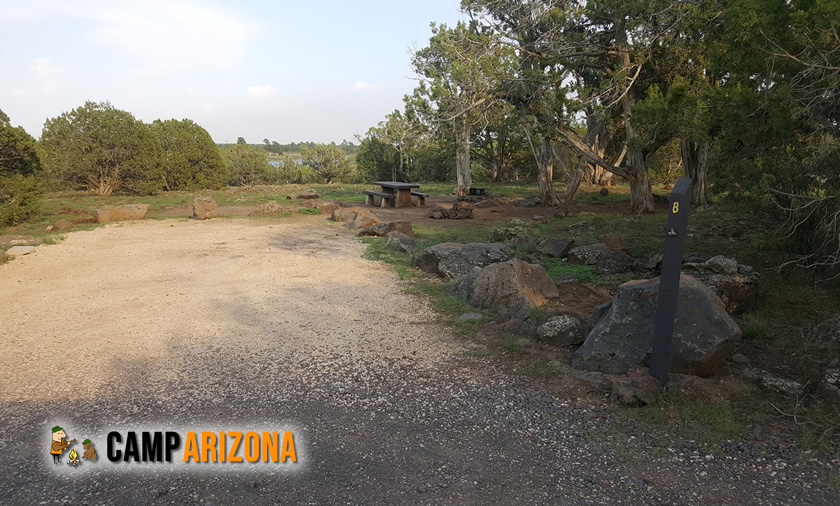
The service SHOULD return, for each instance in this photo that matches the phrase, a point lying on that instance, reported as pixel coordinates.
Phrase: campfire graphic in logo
(74, 458)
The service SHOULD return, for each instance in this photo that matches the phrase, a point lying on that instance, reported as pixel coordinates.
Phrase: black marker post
(669, 280)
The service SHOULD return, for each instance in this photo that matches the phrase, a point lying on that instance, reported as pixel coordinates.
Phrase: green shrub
(20, 199)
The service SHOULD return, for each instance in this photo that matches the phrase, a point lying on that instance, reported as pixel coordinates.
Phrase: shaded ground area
(182, 324)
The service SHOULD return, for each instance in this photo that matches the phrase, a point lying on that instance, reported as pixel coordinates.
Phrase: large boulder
(704, 334)
(562, 330)
(605, 259)
(735, 284)
(355, 217)
(325, 206)
(827, 331)
(383, 229)
(205, 208)
(510, 288)
(503, 234)
(110, 214)
(557, 248)
(269, 208)
(401, 242)
(451, 260)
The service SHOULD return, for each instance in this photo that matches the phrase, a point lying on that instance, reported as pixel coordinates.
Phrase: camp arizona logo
(230, 446)
(193, 447)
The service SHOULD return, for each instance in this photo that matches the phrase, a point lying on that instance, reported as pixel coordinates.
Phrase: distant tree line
(99, 148)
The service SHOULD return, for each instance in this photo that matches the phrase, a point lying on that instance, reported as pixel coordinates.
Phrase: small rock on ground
(20, 250)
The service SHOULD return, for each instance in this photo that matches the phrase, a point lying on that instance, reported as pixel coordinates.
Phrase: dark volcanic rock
(383, 229)
(401, 242)
(605, 259)
(562, 330)
(735, 284)
(827, 331)
(451, 260)
(509, 288)
(557, 248)
(704, 335)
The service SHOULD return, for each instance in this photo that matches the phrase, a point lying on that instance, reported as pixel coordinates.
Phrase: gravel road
(184, 325)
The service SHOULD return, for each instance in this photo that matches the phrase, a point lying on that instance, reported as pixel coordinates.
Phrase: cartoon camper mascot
(90, 452)
(58, 443)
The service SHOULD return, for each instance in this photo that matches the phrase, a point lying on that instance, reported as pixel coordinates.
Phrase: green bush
(20, 198)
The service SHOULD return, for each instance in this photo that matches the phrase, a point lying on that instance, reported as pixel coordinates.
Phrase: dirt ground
(186, 325)
(139, 291)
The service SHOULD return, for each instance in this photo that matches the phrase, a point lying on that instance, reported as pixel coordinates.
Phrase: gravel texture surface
(186, 325)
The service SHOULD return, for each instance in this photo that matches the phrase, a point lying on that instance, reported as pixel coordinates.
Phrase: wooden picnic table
(401, 191)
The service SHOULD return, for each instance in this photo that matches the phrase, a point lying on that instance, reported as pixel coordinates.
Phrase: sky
(318, 70)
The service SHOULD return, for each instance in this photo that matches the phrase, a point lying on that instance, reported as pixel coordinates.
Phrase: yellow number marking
(676, 207)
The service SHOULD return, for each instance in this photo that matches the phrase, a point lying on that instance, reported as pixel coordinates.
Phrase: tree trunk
(572, 185)
(596, 138)
(497, 172)
(402, 173)
(695, 157)
(546, 174)
(641, 194)
(543, 151)
(105, 182)
(462, 155)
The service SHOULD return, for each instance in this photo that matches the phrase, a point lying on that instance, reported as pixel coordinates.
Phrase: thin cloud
(45, 76)
(262, 91)
(360, 87)
(41, 66)
(159, 36)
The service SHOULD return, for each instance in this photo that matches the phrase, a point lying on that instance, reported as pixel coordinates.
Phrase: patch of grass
(377, 250)
(557, 268)
(448, 305)
(528, 369)
(513, 346)
(307, 210)
(436, 291)
(789, 298)
(469, 329)
(480, 353)
(707, 422)
(834, 481)
(610, 437)
(53, 239)
(429, 235)
(536, 313)
(754, 327)
(811, 438)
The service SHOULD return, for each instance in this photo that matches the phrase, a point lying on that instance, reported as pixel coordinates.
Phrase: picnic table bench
(421, 197)
(386, 199)
(394, 194)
